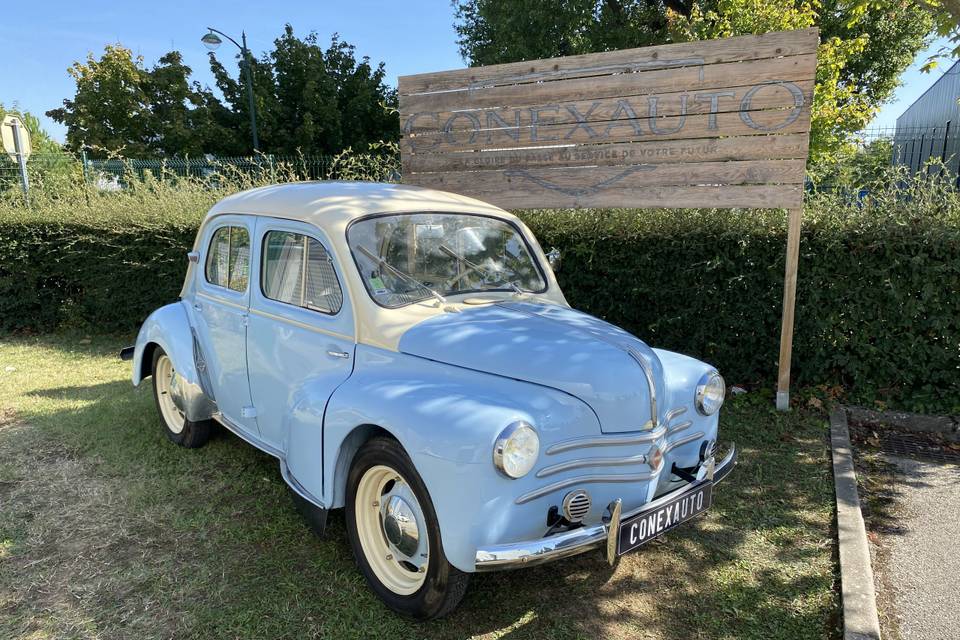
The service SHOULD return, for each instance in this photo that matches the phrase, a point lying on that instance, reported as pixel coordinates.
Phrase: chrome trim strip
(302, 325)
(651, 383)
(604, 441)
(673, 413)
(569, 482)
(682, 441)
(579, 463)
(513, 555)
(247, 437)
(677, 428)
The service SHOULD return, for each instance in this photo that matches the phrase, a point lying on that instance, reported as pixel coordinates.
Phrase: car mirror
(553, 257)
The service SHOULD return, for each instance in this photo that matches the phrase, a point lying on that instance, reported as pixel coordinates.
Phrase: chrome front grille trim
(579, 463)
(673, 413)
(605, 441)
(651, 383)
(682, 441)
(680, 426)
(569, 482)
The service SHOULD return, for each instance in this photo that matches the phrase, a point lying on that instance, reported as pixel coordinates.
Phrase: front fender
(447, 419)
(169, 328)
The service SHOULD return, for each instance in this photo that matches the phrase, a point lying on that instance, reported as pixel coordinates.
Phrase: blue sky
(40, 39)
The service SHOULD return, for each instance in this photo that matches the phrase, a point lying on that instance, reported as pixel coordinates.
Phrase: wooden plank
(677, 197)
(589, 180)
(732, 74)
(774, 147)
(750, 47)
(771, 96)
(626, 130)
(789, 307)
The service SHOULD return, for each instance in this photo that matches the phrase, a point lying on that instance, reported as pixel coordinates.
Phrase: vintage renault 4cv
(406, 354)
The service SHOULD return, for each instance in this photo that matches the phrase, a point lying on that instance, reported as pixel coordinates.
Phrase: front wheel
(395, 536)
(178, 429)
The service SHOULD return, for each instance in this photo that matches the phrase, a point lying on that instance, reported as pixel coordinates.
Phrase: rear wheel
(183, 432)
(394, 533)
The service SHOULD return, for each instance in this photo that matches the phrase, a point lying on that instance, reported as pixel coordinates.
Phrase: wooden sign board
(720, 123)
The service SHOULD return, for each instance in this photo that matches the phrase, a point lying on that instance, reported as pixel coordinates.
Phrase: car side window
(228, 258)
(297, 270)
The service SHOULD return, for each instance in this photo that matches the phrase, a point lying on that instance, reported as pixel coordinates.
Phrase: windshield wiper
(383, 264)
(486, 273)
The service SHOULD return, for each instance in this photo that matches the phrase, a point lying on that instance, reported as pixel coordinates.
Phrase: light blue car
(407, 354)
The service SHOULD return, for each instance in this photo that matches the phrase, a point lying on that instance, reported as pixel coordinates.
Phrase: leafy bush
(878, 310)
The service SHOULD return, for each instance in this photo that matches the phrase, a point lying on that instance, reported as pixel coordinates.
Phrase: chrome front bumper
(576, 541)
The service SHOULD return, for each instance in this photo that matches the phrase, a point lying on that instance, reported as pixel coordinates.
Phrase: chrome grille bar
(605, 441)
(591, 462)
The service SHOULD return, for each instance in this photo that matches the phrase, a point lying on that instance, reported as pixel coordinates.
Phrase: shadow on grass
(205, 543)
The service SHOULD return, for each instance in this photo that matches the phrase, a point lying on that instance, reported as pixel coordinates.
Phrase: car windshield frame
(427, 295)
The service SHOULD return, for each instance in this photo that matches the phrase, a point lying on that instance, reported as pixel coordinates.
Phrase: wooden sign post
(719, 123)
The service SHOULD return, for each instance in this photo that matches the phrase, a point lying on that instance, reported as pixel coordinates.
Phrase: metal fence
(929, 150)
(304, 167)
(116, 173)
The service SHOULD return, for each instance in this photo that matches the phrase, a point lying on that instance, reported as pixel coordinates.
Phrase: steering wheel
(451, 282)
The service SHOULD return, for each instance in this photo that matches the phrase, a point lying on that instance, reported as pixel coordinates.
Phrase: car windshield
(406, 258)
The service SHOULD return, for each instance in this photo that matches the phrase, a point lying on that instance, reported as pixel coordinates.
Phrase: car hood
(614, 372)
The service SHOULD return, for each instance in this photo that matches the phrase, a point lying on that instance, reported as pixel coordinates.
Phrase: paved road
(924, 563)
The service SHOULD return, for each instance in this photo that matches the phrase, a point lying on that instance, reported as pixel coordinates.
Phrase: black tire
(444, 585)
(193, 434)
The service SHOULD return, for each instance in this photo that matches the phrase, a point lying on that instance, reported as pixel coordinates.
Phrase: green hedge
(878, 307)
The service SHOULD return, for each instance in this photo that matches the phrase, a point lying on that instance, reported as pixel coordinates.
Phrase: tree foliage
(307, 99)
(861, 55)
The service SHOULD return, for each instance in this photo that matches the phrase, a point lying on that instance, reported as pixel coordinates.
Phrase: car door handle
(338, 354)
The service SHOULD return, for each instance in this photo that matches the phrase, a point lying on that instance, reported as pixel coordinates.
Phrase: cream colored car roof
(332, 206)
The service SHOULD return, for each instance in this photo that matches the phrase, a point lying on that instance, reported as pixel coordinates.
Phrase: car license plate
(651, 523)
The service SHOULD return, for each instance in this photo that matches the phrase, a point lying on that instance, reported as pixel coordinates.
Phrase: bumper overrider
(600, 536)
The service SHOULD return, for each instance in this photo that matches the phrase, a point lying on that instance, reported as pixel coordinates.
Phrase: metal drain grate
(905, 444)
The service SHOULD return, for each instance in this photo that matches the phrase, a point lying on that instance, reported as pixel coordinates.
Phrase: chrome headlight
(516, 449)
(711, 390)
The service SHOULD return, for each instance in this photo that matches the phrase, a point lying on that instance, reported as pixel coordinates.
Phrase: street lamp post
(211, 41)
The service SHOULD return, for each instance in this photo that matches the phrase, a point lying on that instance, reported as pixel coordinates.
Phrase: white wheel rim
(401, 568)
(171, 414)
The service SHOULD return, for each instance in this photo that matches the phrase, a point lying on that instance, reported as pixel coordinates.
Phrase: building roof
(329, 204)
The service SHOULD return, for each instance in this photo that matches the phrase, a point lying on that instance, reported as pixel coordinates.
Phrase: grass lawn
(107, 530)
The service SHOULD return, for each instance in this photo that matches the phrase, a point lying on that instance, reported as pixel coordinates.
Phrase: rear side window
(297, 270)
(228, 258)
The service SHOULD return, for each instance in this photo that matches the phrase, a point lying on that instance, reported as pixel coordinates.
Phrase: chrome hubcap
(400, 526)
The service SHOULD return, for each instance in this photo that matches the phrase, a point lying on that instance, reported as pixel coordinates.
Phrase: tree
(110, 109)
(311, 100)
(307, 99)
(861, 55)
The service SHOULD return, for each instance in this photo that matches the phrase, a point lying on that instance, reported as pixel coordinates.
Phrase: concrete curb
(860, 620)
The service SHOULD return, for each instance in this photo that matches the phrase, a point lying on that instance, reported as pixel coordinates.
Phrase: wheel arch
(168, 328)
(346, 452)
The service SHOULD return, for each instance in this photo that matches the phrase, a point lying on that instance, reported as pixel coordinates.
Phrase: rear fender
(169, 329)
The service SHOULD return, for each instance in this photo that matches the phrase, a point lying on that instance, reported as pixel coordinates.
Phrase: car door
(220, 311)
(300, 343)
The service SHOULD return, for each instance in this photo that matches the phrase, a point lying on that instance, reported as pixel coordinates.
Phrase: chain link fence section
(115, 172)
